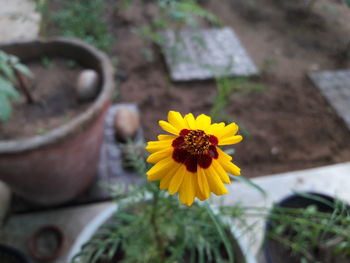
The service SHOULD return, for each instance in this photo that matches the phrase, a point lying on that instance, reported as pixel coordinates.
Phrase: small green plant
(47, 62)
(177, 14)
(225, 88)
(306, 233)
(84, 19)
(166, 231)
(10, 72)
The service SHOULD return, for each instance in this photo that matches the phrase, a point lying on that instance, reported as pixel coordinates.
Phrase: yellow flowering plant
(151, 225)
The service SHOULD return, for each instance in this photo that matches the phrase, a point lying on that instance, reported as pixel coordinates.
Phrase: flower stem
(155, 227)
(24, 87)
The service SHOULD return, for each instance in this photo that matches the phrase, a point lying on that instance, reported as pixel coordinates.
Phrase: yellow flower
(189, 161)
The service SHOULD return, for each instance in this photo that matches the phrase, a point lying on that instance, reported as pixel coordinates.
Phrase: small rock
(126, 124)
(314, 67)
(87, 85)
(274, 150)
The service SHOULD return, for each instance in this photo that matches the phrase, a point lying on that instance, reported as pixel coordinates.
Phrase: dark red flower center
(195, 147)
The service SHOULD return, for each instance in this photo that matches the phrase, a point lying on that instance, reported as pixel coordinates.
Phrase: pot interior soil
(53, 87)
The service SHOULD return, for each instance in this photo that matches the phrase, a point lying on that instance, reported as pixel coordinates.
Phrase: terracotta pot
(59, 165)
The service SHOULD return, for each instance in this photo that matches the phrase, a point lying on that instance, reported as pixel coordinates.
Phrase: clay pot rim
(71, 127)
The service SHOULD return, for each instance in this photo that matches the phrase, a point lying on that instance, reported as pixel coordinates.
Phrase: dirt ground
(290, 125)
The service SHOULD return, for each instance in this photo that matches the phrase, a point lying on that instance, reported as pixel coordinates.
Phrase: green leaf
(221, 232)
(250, 183)
(347, 2)
(7, 70)
(5, 108)
(6, 88)
(315, 197)
(13, 59)
(23, 69)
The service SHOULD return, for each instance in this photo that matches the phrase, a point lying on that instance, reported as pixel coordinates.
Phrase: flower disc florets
(194, 147)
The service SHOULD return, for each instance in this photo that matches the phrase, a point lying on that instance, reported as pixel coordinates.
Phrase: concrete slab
(335, 87)
(333, 180)
(205, 54)
(18, 20)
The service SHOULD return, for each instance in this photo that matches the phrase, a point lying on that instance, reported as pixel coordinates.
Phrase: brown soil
(290, 125)
(53, 87)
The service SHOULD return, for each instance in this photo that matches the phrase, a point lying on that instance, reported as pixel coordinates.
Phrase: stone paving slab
(335, 87)
(18, 20)
(205, 54)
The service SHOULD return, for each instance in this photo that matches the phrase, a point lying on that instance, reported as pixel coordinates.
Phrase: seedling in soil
(225, 88)
(173, 14)
(47, 62)
(80, 19)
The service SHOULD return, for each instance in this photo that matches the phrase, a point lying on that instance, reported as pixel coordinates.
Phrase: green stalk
(157, 236)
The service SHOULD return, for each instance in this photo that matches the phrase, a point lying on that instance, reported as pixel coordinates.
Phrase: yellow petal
(227, 131)
(160, 169)
(203, 183)
(229, 167)
(165, 137)
(203, 122)
(166, 126)
(187, 191)
(191, 122)
(231, 140)
(215, 184)
(198, 192)
(215, 128)
(177, 179)
(164, 183)
(155, 146)
(221, 172)
(160, 155)
(175, 119)
(223, 155)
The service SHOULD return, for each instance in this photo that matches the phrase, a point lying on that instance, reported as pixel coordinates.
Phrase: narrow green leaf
(250, 183)
(221, 232)
(5, 108)
(7, 89)
(23, 69)
(6, 69)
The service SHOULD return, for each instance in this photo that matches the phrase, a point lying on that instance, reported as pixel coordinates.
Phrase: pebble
(126, 124)
(87, 85)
